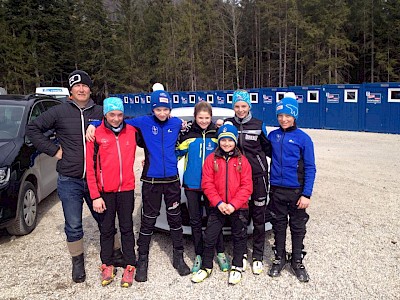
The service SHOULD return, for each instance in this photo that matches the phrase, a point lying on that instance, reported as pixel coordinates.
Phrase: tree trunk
(235, 41)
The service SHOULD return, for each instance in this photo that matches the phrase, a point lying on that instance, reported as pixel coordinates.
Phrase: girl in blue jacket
(292, 178)
(195, 145)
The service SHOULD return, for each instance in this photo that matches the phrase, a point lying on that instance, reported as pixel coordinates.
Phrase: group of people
(225, 165)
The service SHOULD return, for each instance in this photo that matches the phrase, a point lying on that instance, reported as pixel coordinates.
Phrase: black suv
(26, 175)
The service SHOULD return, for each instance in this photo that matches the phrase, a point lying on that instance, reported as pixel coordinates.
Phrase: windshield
(10, 120)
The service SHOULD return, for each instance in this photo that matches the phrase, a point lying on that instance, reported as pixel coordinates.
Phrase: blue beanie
(160, 98)
(112, 103)
(241, 95)
(228, 131)
(288, 105)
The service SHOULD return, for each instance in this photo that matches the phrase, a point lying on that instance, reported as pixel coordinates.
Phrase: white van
(57, 92)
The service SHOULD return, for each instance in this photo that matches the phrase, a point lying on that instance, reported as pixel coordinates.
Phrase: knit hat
(288, 105)
(158, 87)
(160, 98)
(112, 103)
(241, 95)
(79, 76)
(228, 131)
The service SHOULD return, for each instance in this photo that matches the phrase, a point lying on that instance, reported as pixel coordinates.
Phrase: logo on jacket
(169, 130)
(278, 137)
(104, 141)
(291, 141)
(250, 137)
(209, 147)
(154, 130)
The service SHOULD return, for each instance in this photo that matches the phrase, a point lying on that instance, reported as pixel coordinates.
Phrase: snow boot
(278, 263)
(78, 268)
(298, 269)
(141, 268)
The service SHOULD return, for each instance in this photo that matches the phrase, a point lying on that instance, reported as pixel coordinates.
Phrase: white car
(186, 113)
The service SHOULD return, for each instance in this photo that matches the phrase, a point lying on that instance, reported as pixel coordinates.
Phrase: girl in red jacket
(227, 183)
(111, 182)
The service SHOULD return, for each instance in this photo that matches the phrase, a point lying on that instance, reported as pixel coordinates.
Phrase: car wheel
(26, 218)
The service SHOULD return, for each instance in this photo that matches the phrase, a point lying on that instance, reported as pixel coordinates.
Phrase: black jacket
(70, 123)
(254, 144)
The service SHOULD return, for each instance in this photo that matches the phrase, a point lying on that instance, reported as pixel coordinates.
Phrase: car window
(37, 109)
(10, 120)
(49, 104)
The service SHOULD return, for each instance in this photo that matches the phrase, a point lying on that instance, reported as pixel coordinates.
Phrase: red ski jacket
(227, 184)
(109, 161)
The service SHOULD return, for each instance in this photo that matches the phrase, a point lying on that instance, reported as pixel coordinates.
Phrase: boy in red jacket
(111, 182)
(227, 183)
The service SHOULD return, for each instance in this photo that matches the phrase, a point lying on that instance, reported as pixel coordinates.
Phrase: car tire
(26, 216)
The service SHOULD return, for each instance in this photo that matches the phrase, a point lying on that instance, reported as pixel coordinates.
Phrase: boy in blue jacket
(160, 179)
(292, 178)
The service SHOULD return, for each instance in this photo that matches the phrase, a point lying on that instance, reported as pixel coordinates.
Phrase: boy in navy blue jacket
(292, 178)
(160, 178)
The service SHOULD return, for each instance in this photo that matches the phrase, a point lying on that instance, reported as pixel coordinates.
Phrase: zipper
(241, 139)
(162, 150)
(120, 163)
(84, 143)
(281, 158)
(203, 148)
(261, 163)
(101, 172)
(83, 136)
(226, 184)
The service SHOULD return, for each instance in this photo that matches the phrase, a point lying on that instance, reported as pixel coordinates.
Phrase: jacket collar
(197, 127)
(88, 105)
(221, 153)
(245, 119)
(292, 128)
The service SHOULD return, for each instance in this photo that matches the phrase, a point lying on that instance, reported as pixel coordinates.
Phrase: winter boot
(141, 268)
(117, 258)
(78, 268)
(298, 269)
(278, 263)
(179, 264)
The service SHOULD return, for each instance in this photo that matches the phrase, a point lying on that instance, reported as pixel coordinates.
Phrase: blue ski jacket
(293, 161)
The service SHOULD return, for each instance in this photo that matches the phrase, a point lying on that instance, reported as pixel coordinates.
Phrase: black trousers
(121, 203)
(152, 195)
(257, 211)
(284, 210)
(196, 215)
(216, 220)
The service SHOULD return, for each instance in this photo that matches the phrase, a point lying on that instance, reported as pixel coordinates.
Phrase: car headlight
(4, 175)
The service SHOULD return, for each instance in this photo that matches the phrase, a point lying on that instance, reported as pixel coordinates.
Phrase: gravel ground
(353, 240)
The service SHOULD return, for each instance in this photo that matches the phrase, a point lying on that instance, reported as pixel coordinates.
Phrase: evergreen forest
(127, 45)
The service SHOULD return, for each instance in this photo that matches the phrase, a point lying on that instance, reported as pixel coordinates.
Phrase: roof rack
(40, 96)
